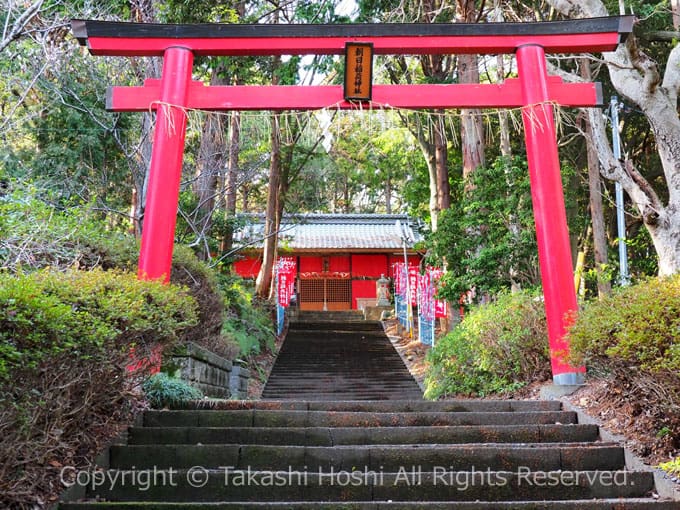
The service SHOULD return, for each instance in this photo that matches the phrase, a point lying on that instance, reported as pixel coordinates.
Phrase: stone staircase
(368, 455)
(338, 356)
(310, 447)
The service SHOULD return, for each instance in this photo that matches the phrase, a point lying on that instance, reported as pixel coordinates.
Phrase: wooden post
(552, 234)
(160, 214)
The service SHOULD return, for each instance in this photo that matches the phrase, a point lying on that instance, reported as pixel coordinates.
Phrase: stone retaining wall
(215, 376)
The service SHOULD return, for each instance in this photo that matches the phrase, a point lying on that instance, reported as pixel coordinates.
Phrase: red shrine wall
(366, 269)
(362, 271)
(248, 267)
(324, 264)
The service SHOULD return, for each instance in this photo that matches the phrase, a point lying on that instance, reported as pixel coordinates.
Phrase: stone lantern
(383, 291)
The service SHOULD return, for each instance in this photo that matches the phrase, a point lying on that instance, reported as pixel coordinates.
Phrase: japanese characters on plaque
(358, 71)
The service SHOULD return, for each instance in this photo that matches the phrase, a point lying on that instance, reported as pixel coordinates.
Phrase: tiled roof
(335, 231)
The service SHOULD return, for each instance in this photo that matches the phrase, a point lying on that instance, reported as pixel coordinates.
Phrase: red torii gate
(534, 90)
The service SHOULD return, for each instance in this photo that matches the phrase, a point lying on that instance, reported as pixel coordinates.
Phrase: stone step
(286, 418)
(390, 458)
(226, 485)
(314, 394)
(323, 436)
(357, 375)
(588, 504)
(334, 316)
(323, 358)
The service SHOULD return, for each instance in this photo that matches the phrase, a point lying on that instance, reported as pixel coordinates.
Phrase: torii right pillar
(547, 195)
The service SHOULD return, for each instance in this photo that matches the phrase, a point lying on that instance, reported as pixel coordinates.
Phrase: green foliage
(84, 313)
(672, 467)
(499, 347)
(62, 138)
(635, 326)
(487, 236)
(643, 260)
(248, 325)
(161, 391)
(371, 161)
(35, 234)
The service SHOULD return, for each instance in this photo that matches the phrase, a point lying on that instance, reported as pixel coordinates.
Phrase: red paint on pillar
(552, 234)
(160, 214)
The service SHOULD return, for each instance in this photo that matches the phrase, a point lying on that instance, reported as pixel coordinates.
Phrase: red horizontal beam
(559, 43)
(294, 97)
(149, 39)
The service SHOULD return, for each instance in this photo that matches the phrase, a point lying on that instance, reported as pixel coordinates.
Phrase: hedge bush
(637, 326)
(499, 347)
(70, 309)
(65, 341)
(631, 339)
(47, 313)
(34, 235)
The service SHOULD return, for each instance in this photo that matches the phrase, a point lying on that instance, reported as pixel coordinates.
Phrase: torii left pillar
(162, 196)
(547, 196)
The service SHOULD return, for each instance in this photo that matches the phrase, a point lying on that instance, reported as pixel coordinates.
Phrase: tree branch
(19, 24)
(671, 78)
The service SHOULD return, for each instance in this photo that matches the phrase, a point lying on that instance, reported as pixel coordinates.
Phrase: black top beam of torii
(139, 39)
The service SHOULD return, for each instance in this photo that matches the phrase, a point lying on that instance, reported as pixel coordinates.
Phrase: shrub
(83, 312)
(34, 235)
(249, 325)
(672, 467)
(637, 326)
(161, 391)
(631, 339)
(499, 347)
(64, 350)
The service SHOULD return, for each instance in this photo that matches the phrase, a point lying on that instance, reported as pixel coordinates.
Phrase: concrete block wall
(215, 376)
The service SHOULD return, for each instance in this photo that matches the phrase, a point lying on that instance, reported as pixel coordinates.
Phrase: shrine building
(339, 257)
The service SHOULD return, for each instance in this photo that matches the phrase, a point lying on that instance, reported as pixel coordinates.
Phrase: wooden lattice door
(325, 294)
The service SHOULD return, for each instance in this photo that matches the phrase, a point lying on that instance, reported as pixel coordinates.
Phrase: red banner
(439, 304)
(413, 284)
(286, 269)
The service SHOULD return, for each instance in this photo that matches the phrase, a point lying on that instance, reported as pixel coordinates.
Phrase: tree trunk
(638, 78)
(503, 124)
(429, 154)
(245, 191)
(472, 127)
(143, 11)
(208, 168)
(600, 248)
(264, 277)
(388, 194)
(232, 176)
(441, 156)
(233, 168)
